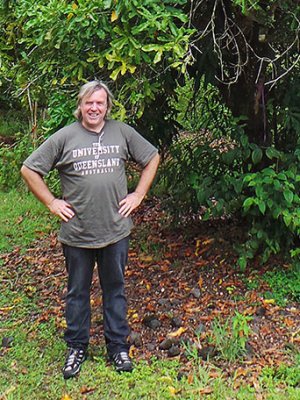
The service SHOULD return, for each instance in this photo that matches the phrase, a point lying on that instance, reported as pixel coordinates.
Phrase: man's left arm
(134, 199)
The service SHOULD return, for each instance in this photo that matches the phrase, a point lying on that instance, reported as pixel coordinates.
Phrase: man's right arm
(38, 187)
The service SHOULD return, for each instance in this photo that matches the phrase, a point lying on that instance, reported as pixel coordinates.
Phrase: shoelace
(72, 358)
(122, 357)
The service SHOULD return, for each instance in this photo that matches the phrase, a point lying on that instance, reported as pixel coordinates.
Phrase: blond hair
(87, 90)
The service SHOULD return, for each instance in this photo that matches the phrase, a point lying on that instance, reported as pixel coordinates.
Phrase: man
(90, 156)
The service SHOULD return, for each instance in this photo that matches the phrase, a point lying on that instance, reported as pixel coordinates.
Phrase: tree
(138, 47)
(245, 50)
(250, 50)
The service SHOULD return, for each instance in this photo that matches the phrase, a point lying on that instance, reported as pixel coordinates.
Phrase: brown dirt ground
(185, 273)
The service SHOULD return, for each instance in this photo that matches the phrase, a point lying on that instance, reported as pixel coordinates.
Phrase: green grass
(284, 284)
(30, 365)
(31, 368)
(230, 337)
(22, 219)
(12, 122)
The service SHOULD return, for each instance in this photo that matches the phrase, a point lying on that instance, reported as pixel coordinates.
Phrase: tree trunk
(234, 43)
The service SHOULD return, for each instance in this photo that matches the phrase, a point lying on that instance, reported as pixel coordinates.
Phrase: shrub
(223, 177)
(284, 284)
(12, 122)
(11, 158)
(272, 208)
(230, 338)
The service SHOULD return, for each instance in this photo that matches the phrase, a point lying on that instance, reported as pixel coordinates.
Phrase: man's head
(94, 104)
(87, 90)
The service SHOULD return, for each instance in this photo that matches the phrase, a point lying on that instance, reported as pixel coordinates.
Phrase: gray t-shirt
(93, 180)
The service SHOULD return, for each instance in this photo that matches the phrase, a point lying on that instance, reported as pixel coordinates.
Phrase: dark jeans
(111, 262)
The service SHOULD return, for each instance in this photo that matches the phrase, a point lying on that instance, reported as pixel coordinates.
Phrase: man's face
(93, 110)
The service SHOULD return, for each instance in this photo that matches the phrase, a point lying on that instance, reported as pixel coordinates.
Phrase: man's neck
(96, 129)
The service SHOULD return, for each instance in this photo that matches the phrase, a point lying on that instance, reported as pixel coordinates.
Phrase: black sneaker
(122, 362)
(74, 359)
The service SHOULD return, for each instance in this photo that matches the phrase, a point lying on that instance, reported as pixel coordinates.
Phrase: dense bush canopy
(225, 70)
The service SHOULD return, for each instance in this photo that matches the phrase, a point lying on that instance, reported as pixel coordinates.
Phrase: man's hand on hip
(62, 209)
(130, 203)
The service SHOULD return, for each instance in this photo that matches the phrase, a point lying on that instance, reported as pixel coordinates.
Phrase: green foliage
(284, 114)
(13, 155)
(272, 206)
(230, 338)
(217, 171)
(253, 5)
(213, 178)
(191, 350)
(53, 182)
(50, 48)
(11, 159)
(203, 165)
(205, 110)
(248, 48)
(145, 50)
(22, 219)
(11, 123)
(60, 112)
(283, 374)
(284, 284)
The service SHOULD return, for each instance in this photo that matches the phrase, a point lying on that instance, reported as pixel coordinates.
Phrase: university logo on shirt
(98, 159)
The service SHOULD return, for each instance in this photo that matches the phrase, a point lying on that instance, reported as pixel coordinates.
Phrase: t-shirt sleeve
(45, 157)
(140, 150)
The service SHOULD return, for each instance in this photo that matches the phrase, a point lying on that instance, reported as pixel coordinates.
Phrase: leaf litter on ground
(183, 279)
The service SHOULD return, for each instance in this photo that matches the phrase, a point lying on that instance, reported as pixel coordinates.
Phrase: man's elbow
(24, 171)
(27, 173)
(156, 159)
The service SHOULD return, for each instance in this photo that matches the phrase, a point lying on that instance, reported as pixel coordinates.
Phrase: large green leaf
(288, 195)
(256, 155)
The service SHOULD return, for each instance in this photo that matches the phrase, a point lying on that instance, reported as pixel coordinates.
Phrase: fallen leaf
(288, 322)
(62, 323)
(205, 243)
(240, 372)
(135, 317)
(249, 311)
(6, 309)
(174, 391)
(85, 390)
(132, 351)
(201, 263)
(146, 259)
(150, 307)
(214, 374)
(269, 301)
(206, 390)
(166, 379)
(177, 333)
(200, 282)
(66, 397)
(296, 339)
(114, 16)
